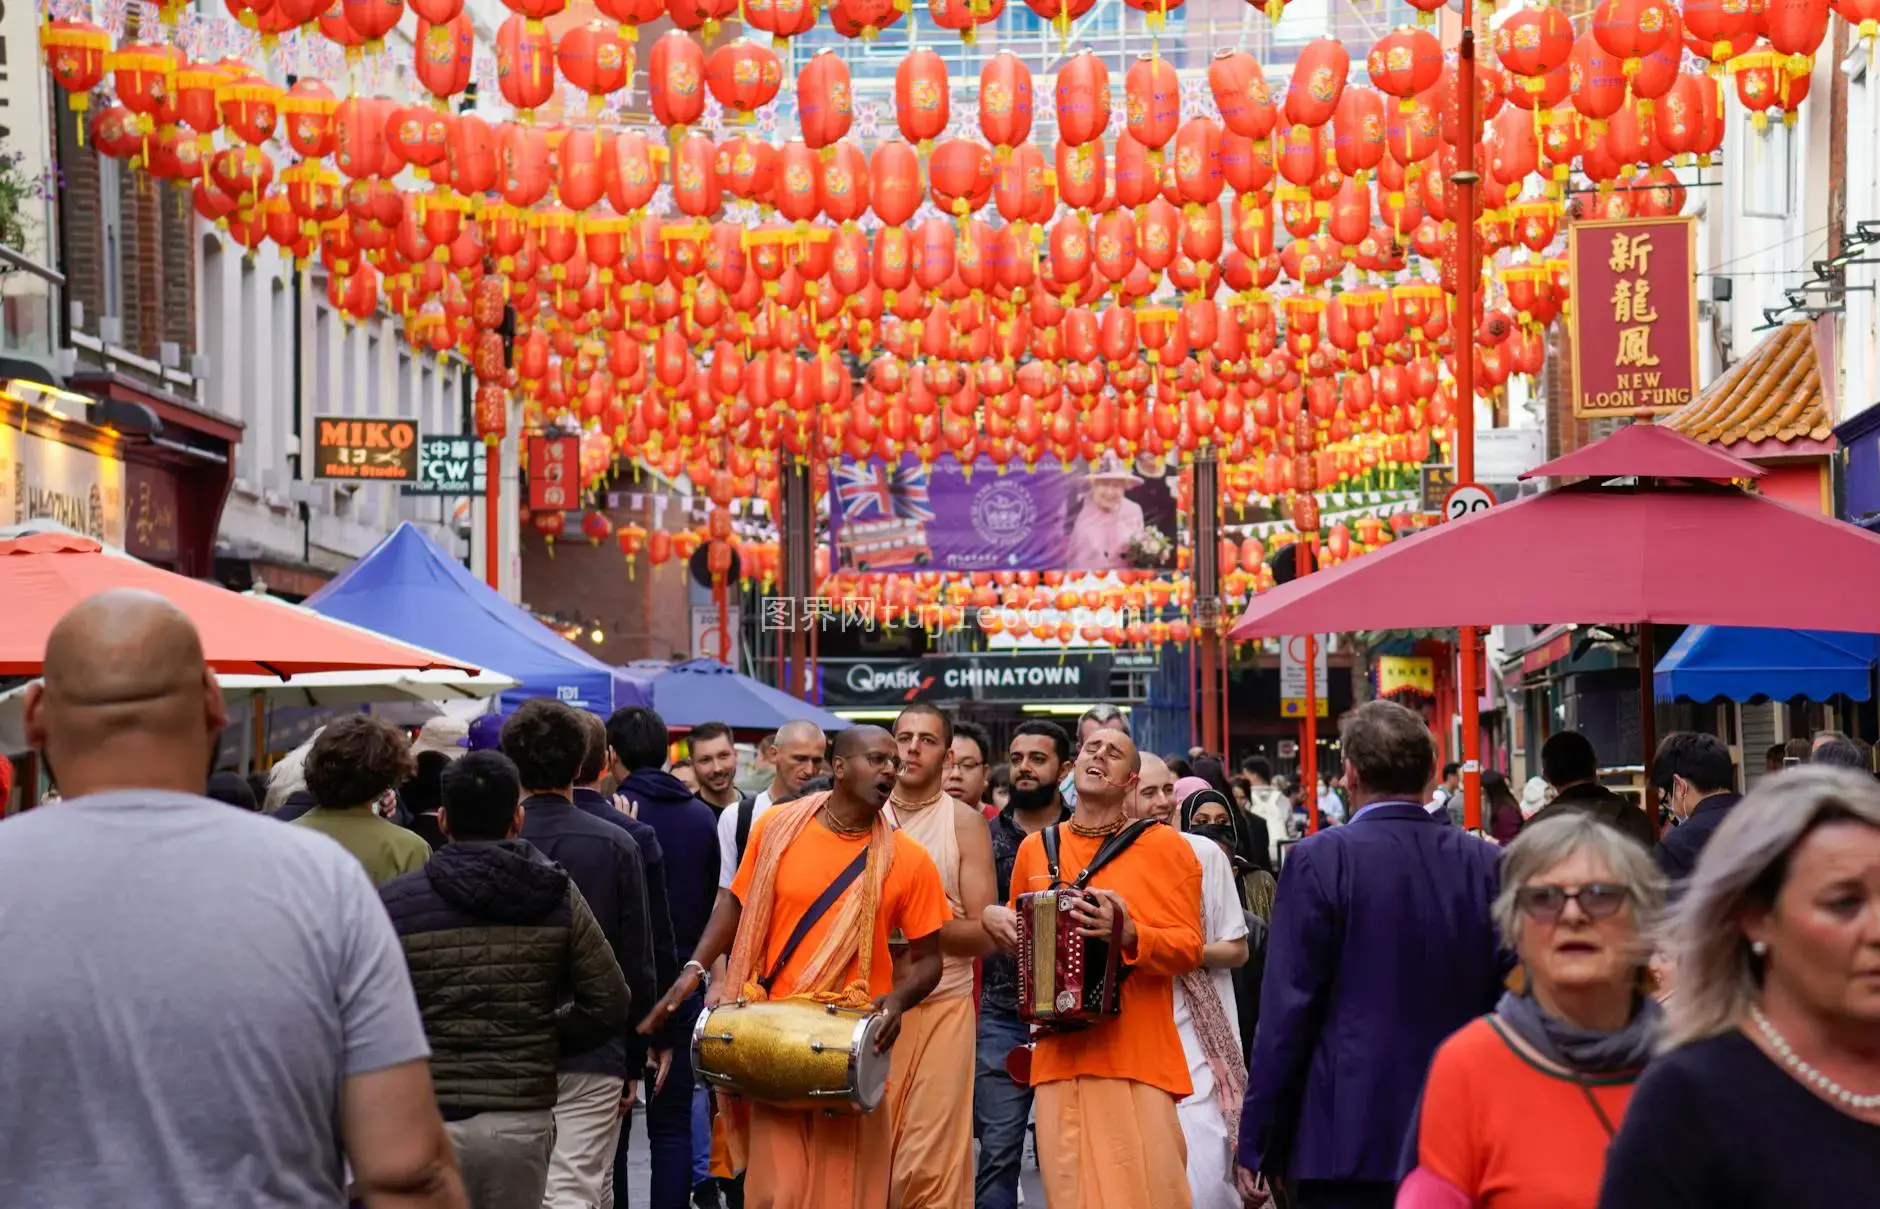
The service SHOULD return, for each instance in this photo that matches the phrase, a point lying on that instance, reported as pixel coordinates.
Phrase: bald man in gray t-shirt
(184, 990)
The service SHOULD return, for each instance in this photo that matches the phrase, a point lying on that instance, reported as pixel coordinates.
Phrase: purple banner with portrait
(902, 516)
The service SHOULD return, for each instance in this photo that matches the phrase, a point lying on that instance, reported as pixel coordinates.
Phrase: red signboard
(150, 513)
(554, 473)
(1634, 314)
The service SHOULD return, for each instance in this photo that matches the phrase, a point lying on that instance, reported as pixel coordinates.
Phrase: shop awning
(1738, 664)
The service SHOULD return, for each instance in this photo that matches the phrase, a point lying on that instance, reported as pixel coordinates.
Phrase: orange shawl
(852, 932)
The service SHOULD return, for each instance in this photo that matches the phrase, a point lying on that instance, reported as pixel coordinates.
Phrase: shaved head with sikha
(127, 701)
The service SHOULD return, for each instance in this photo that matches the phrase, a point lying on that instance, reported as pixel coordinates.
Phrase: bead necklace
(1806, 1072)
(1107, 829)
(901, 804)
(840, 828)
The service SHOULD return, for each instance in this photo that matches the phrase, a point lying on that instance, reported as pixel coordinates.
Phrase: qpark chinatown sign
(1634, 315)
(1011, 678)
(355, 449)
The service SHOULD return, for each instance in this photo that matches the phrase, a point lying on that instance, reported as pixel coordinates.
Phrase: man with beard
(1108, 1133)
(886, 883)
(715, 764)
(930, 1080)
(970, 765)
(1039, 754)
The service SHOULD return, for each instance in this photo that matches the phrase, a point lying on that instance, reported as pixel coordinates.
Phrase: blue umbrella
(704, 690)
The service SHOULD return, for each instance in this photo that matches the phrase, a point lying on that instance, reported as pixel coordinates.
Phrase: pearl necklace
(1806, 1072)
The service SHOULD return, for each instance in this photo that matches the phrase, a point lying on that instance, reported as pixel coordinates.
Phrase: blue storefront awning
(1738, 664)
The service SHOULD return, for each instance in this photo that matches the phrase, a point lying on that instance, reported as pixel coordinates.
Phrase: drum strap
(1112, 848)
(816, 911)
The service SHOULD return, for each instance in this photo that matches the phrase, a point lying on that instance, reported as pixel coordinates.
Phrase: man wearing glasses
(970, 766)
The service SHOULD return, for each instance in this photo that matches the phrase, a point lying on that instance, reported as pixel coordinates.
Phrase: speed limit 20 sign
(1466, 499)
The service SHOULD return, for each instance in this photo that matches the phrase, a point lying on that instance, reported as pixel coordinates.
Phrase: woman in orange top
(1521, 1105)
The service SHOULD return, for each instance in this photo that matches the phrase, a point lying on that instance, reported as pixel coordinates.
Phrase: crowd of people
(454, 971)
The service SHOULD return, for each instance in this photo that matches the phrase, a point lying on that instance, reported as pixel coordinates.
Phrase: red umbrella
(1648, 450)
(44, 575)
(1591, 553)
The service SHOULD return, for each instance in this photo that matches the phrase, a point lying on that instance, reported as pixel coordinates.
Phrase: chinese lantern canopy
(75, 54)
(595, 58)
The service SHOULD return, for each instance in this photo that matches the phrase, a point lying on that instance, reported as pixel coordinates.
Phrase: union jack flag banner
(875, 489)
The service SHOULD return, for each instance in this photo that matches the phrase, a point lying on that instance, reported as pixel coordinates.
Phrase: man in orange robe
(930, 1085)
(811, 1160)
(1108, 1135)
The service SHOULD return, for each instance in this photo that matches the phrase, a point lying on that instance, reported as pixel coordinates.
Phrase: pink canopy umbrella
(1648, 450)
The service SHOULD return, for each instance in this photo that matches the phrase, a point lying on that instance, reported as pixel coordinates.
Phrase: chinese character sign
(554, 473)
(1634, 315)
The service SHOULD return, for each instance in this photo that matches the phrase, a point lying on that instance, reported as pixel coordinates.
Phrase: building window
(1768, 167)
(1304, 21)
(111, 219)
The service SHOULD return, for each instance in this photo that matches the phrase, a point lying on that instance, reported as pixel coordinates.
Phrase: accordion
(1067, 979)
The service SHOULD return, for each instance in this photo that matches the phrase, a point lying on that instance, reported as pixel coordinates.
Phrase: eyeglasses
(1546, 903)
(969, 765)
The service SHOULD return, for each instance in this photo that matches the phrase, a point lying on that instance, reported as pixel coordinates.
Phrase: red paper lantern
(1152, 101)
(1405, 61)
(676, 70)
(1240, 94)
(921, 100)
(1083, 99)
(1318, 80)
(1005, 102)
(595, 58)
(443, 53)
(824, 99)
(75, 53)
(525, 63)
(743, 75)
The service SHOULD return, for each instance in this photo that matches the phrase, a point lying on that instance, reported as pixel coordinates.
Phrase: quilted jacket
(511, 972)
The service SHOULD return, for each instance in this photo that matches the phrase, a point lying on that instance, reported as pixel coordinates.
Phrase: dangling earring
(1759, 949)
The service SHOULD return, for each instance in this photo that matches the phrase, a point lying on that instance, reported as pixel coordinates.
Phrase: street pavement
(639, 1173)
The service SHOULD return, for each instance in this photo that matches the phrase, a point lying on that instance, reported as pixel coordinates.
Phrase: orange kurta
(1159, 881)
(800, 1160)
(912, 900)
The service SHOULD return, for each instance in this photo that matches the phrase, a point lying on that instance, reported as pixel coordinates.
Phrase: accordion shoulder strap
(1050, 840)
(1112, 848)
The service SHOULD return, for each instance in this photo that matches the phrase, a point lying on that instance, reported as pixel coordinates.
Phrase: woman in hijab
(1207, 813)
(1521, 1105)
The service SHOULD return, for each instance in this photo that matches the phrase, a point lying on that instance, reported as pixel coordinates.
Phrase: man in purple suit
(1381, 946)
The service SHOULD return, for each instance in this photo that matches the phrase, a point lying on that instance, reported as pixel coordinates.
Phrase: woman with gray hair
(1768, 1096)
(1521, 1105)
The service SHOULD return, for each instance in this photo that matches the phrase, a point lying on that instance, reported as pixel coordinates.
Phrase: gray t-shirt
(184, 987)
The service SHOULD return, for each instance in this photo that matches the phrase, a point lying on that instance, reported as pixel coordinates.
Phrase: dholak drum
(792, 1053)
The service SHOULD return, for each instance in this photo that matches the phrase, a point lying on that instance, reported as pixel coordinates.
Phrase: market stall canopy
(1647, 450)
(380, 686)
(409, 588)
(1708, 663)
(43, 575)
(1646, 553)
(704, 690)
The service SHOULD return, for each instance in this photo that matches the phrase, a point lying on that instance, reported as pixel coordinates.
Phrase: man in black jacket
(510, 968)
(1698, 779)
(1570, 765)
(548, 742)
(636, 738)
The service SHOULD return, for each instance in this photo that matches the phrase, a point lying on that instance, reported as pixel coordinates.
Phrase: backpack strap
(747, 806)
(816, 911)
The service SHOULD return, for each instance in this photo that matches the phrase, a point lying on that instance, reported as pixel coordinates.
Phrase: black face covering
(1033, 799)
